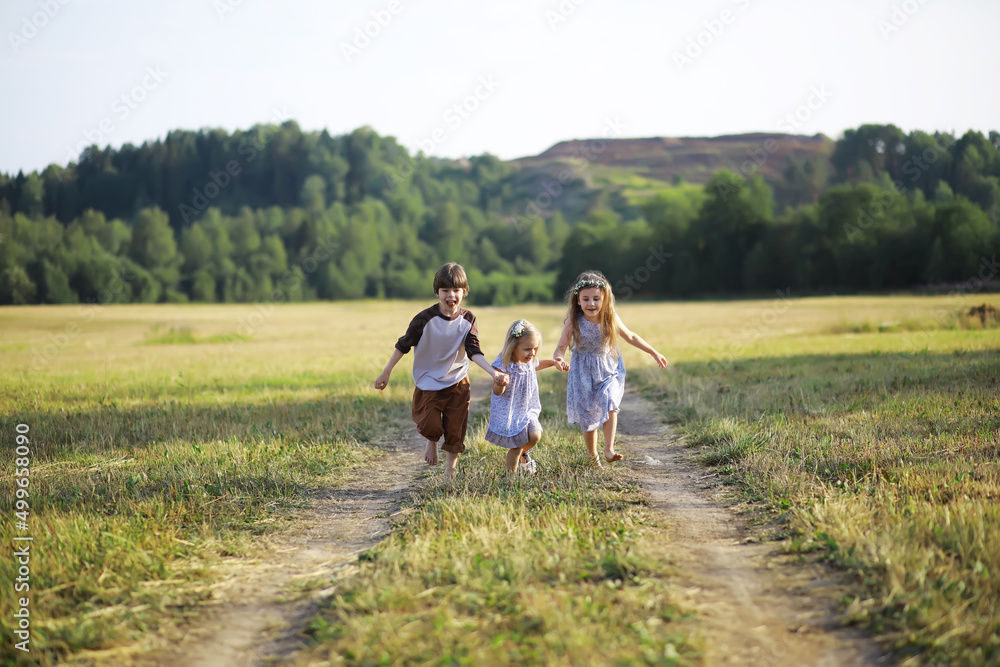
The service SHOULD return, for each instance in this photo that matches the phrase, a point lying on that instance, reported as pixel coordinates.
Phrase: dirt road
(258, 616)
(756, 608)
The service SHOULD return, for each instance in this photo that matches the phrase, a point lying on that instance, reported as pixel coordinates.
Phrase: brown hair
(451, 275)
(515, 334)
(609, 328)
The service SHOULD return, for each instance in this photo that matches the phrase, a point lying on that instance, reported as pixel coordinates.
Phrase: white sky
(606, 62)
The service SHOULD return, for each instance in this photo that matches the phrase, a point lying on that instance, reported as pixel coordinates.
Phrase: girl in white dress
(515, 405)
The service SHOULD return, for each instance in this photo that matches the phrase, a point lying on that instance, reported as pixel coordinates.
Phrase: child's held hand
(501, 379)
(561, 364)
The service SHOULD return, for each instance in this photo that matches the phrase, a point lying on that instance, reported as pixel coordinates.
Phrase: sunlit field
(163, 438)
(863, 429)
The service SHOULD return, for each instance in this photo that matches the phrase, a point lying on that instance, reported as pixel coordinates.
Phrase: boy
(445, 337)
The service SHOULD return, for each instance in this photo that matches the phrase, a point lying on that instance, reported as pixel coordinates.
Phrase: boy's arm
(383, 379)
(561, 346)
(495, 373)
(413, 334)
(636, 340)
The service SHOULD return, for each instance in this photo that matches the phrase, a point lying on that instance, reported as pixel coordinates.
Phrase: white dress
(515, 413)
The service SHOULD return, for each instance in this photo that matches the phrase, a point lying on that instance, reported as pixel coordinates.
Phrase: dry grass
(878, 451)
(165, 436)
(150, 462)
(547, 569)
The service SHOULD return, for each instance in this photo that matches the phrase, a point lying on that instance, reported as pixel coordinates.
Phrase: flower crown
(518, 329)
(584, 284)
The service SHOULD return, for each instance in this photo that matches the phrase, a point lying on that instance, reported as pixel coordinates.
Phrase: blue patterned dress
(596, 381)
(515, 413)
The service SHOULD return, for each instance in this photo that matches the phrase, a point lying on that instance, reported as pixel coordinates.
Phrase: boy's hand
(661, 360)
(381, 381)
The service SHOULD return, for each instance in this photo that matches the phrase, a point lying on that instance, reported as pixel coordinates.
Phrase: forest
(275, 214)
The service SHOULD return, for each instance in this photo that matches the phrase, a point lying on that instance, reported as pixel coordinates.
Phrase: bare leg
(431, 453)
(533, 438)
(590, 439)
(512, 458)
(450, 459)
(530, 465)
(610, 430)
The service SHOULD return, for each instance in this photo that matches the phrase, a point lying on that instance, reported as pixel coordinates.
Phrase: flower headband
(518, 329)
(584, 284)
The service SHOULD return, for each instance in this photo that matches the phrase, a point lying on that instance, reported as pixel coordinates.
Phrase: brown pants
(443, 412)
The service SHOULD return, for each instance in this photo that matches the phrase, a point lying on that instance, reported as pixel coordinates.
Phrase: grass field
(149, 461)
(165, 437)
(877, 449)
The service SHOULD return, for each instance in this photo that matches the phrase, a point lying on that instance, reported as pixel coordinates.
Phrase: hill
(629, 170)
(693, 159)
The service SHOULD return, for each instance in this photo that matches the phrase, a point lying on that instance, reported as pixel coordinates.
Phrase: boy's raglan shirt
(441, 347)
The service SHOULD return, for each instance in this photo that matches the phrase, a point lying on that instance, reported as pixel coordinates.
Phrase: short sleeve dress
(596, 380)
(515, 413)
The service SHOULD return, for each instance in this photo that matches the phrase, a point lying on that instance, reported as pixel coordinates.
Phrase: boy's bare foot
(615, 456)
(431, 453)
(450, 459)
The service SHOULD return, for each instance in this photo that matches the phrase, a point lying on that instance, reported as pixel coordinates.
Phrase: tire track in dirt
(753, 605)
(258, 616)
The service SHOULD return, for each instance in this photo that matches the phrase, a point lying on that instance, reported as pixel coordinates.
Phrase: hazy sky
(510, 77)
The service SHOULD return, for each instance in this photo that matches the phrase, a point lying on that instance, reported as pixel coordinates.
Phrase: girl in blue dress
(515, 405)
(597, 372)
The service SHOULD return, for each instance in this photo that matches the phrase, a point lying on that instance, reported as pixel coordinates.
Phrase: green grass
(730, 440)
(185, 336)
(875, 448)
(876, 453)
(129, 508)
(149, 465)
(951, 321)
(546, 569)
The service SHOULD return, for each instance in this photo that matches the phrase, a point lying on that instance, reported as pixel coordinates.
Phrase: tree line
(274, 213)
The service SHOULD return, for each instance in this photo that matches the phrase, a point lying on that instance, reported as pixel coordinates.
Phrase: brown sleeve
(415, 330)
(472, 338)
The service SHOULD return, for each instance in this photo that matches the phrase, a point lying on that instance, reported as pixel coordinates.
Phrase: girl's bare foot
(431, 453)
(615, 456)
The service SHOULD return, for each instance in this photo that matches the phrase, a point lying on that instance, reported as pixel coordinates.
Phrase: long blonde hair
(519, 330)
(609, 327)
